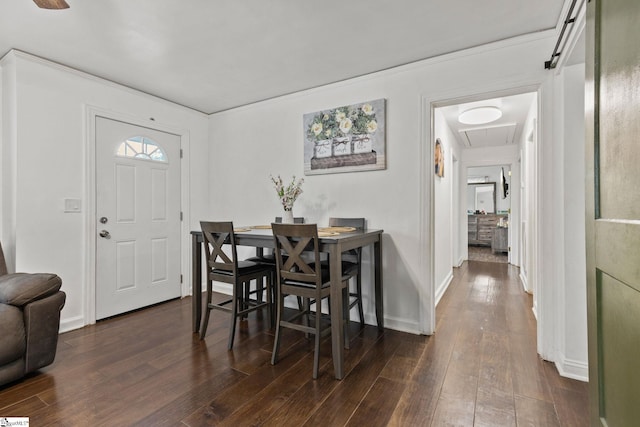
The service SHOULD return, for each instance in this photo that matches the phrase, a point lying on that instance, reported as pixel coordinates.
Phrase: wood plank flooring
(146, 368)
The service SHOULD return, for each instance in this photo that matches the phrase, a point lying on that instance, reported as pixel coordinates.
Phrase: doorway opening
(490, 204)
(493, 194)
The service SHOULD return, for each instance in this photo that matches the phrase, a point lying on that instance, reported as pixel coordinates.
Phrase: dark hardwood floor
(147, 368)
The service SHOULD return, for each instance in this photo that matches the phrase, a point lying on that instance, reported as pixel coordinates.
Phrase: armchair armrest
(19, 289)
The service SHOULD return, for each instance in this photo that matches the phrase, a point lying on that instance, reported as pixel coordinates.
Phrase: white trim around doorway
(429, 103)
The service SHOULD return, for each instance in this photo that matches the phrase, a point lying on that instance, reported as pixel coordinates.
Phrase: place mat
(337, 229)
(240, 230)
(261, 227)
(327, 233)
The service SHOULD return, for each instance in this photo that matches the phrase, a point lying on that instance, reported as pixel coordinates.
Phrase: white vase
(361, 143)
(341, 146)
(287, 218)
(322, 149)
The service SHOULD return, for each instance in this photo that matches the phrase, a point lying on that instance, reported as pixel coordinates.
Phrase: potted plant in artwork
(288, 195)
(342, 138)
(364, 125)
(321, 131)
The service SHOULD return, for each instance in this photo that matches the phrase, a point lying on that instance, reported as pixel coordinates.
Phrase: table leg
(377, 254)
(196, 283)
(337, 325)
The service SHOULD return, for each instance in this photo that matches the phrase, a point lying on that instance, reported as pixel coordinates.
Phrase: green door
(613, 210)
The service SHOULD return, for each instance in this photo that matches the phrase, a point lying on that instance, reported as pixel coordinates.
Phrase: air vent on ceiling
(488, 136)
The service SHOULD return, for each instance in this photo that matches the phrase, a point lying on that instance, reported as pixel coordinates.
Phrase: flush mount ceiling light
(480, 115)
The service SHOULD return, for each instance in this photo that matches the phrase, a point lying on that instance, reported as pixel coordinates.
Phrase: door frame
(544, 298)
(91, 113)
(513, 165)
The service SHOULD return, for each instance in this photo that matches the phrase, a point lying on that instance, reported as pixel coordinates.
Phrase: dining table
(333, 244)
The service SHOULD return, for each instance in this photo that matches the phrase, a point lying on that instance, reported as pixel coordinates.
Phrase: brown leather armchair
(30, 306)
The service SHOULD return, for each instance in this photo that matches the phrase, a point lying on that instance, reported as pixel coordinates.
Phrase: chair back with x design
(216, 236)
(291, 242)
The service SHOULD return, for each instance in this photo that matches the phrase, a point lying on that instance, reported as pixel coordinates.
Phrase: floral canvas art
(345, 139)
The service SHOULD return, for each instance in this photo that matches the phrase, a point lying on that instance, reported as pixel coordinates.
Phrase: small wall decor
(345, 139)
(438, 156)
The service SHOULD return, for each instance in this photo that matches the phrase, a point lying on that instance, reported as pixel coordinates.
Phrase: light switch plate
(72, 205)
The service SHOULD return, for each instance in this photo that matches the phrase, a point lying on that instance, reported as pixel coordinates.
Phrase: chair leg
(276, 341)
(306, 306)
(245, 298)
(269, 299)
(207, 312)
(316, 352)
(359, 291)
(345, 315)
(259, 290)
(237, 288)
(273, 301)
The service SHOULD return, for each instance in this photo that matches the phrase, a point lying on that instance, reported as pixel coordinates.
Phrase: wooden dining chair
(302, 278)
(352, 263)
(223, 266)
(263, 257)
(269, 258)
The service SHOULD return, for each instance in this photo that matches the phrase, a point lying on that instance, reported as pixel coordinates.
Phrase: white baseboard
(525, 284)
(67, 325)
(442, 287)
(223, 288)
(395, 323)
(574, 369)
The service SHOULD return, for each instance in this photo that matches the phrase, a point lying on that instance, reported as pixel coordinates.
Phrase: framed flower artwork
(350, 138)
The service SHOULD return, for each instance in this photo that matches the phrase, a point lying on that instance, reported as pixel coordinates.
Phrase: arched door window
(140, 147)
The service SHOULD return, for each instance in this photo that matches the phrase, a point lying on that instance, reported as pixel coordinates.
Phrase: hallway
(484, 253)
(487, 332)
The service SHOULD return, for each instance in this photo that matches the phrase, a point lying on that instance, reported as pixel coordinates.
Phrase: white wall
(7, 154)
(527, 185)
(443, 220)
(572, 360)
(251, 142)
(45, 141)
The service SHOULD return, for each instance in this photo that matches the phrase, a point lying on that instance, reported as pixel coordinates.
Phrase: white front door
(138, 217)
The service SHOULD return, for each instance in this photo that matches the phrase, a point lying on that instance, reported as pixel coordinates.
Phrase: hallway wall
(572, 342)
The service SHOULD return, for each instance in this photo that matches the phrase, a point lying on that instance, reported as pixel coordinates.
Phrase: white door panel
(138, 261)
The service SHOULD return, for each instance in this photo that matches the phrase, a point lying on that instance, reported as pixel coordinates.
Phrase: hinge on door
(181, 153)
(180, 215)
(181, 278)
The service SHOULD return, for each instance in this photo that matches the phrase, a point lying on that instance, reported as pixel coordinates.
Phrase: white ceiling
(216, 55)
(506, 130)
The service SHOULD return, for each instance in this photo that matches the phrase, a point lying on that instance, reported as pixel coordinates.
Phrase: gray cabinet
(500, 240)
(481, 227)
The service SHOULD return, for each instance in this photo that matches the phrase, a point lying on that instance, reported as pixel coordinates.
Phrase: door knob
(105, 234)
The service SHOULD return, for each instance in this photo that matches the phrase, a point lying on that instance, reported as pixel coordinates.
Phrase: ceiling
(216, 55)
(504, 131)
